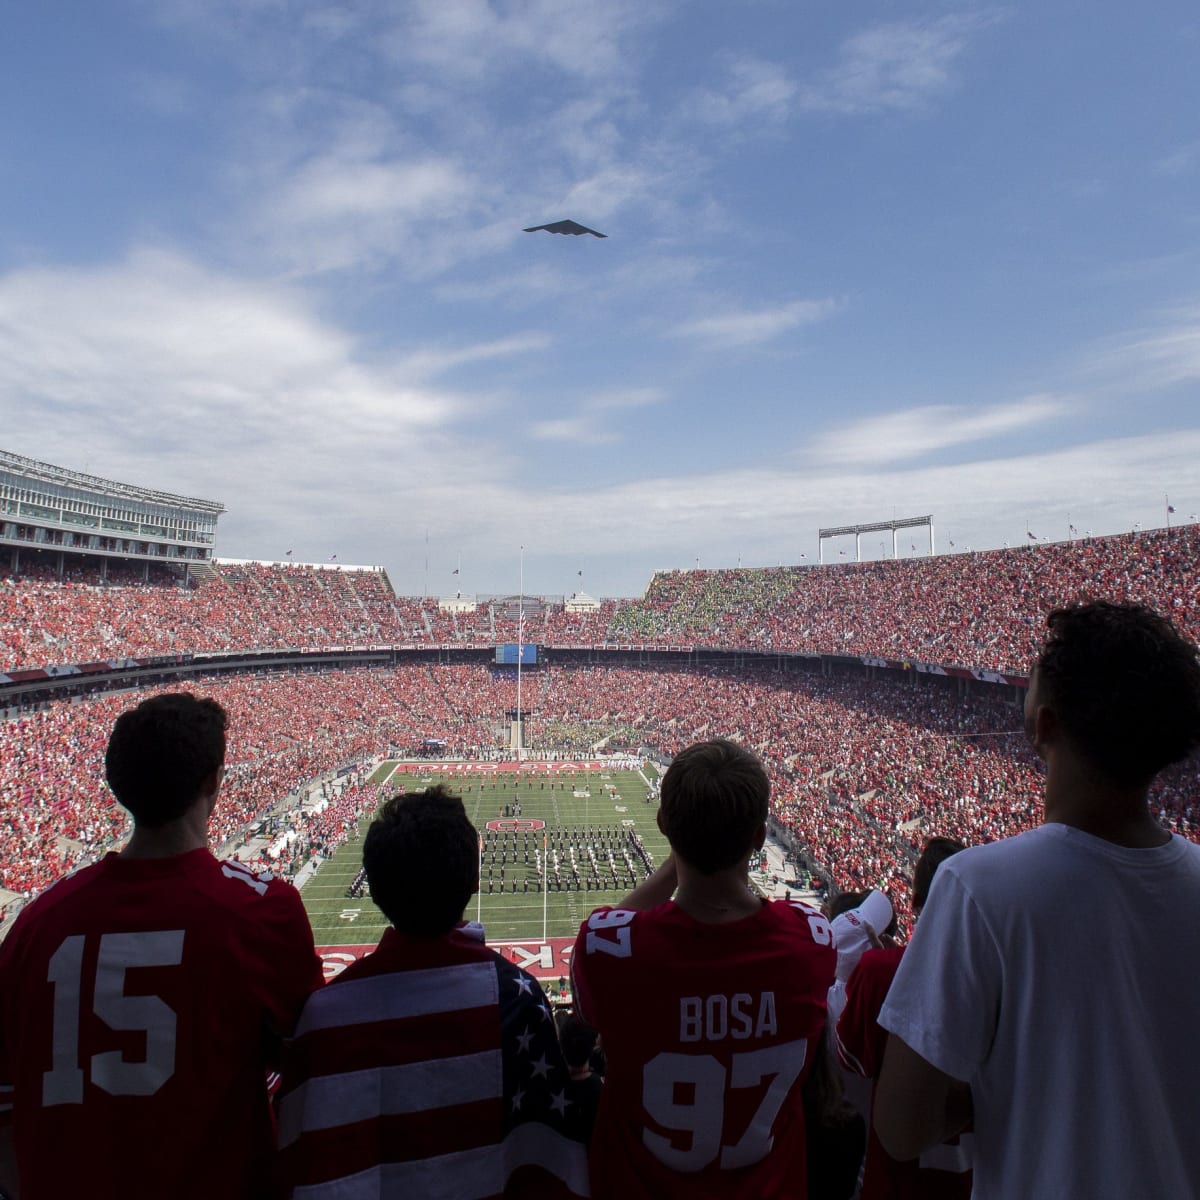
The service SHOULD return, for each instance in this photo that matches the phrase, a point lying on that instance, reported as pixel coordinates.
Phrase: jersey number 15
(151, 1015)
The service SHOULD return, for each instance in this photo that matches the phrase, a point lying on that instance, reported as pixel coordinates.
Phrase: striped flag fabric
(429, 1068)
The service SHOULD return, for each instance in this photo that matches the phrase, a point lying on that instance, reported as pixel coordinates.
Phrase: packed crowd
(862, 771)
(306, 835)
(55, 811)
(976, 610)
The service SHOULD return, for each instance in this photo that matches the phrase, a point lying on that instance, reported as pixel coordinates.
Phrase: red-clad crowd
(984, 610)
(863, 771)
(974, 610)
(306, 835)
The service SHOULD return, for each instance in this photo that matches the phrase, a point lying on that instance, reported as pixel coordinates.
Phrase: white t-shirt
(1059, 975)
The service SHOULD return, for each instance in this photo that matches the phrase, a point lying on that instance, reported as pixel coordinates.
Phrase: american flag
(429, 1068)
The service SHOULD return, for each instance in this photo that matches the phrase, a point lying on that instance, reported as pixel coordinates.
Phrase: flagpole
(545, 883)
(479, 885)
(520, 649)
(1167, 502)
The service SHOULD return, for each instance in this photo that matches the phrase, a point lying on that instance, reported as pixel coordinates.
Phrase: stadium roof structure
(892, 526)
(877, 526)
(32, 469)
(287, 562)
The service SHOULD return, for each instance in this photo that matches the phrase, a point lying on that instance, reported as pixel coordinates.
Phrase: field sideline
(339, 920)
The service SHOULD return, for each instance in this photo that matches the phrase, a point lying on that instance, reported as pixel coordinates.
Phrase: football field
(610, 803)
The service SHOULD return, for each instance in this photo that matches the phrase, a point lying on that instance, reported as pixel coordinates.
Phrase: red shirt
(708, 1032)
(943, 1173)
(141, 1001)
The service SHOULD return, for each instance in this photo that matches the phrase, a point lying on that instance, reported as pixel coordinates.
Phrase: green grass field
(338, 920)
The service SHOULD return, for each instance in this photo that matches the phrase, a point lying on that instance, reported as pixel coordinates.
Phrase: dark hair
(578, 1040)
(421, 856)
(844, 902)
(714, 800)
(162, 753)
(936, 851)
(1124, 685)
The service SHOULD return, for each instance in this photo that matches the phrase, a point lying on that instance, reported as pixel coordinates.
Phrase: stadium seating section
(862, 769)
(975, 610)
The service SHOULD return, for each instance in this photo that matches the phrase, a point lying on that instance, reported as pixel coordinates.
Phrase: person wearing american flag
(431, 1067)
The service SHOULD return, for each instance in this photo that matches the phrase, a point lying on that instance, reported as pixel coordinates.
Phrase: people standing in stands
(147, 995)
(944, 1172)
(1051, 980)
(703, 1092)
(578, 1041)
(430, 1067)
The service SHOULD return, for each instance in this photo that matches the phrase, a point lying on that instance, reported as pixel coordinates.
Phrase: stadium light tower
(925, 522)
(520, 655)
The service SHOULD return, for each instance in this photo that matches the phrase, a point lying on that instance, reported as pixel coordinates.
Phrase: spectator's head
(421, 856)
(164, 755)
(857, 929)
(1123, 686)
(578, 1040)
(936, 851)
(843, 902)
(714, 805)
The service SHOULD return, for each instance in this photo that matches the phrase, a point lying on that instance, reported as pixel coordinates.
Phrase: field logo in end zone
(515, 824)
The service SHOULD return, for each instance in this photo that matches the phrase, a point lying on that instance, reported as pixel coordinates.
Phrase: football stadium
(599, 601)
(884, 700)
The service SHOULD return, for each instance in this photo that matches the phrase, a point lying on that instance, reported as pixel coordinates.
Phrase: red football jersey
(141, 1001)
(708, 1031)
(943, 1173)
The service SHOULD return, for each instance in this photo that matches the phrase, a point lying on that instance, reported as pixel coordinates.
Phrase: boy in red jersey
(710, 1005)
(145, 996)
(943, 1172)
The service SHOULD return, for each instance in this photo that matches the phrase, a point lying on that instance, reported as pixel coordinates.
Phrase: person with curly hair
(1051, 983)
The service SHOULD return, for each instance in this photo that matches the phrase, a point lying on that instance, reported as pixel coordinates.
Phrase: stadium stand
(983, 610)
(862, 770)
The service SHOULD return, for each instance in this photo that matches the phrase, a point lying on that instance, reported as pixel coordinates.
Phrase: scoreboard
(506, 655)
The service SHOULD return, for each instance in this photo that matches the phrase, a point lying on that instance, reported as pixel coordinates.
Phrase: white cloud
(159, 372)
(471, 40)
(581, 428)
(898, 66)
(765, 515)
(757, 91)
(1181, 161)
(530, 285)
(183, 373)
(342, 209)
(747, 328)
(597, 421)
(434, 360)
(1158, 356)
(916, 432)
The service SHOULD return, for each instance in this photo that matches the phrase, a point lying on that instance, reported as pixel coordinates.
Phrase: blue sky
(863, 259)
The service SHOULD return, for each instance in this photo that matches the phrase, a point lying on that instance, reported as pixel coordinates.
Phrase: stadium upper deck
(982, 610)
(49, 510)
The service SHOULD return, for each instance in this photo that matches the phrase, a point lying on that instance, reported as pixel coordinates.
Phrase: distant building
(52, 514)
